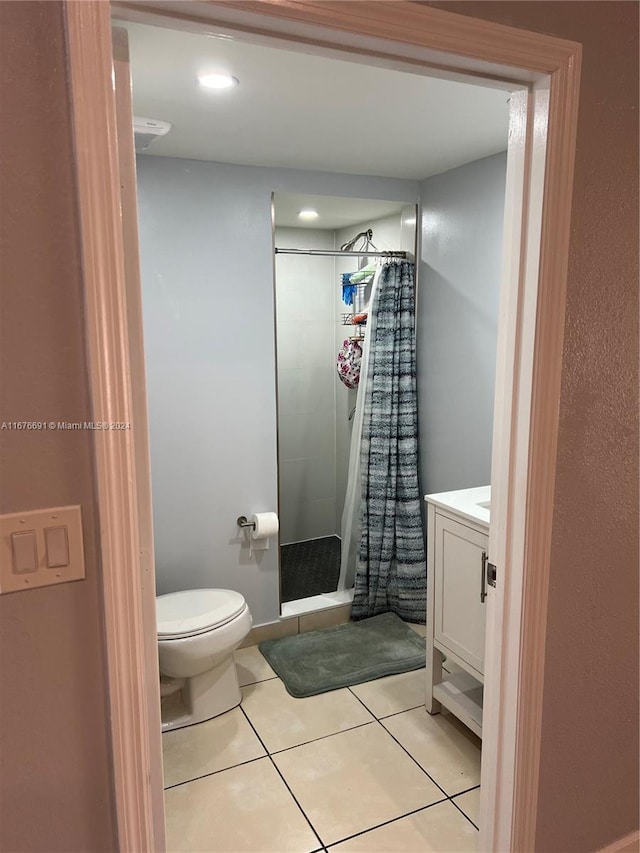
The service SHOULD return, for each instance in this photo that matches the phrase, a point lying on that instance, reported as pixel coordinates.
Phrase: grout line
(415, 761)
(466, 791)
(322, 737)
(215, 772)
(324, 848)
(460, 809)
(391, 820)
(464, 814)
(260, 681)
(268, 752)
(448, 796)
(396, 713)
(284, 781)
(362, 703)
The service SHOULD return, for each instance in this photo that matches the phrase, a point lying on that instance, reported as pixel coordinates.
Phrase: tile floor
(357, 770)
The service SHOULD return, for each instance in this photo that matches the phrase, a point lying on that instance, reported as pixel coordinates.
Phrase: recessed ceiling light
(218, 81)
(308, 214)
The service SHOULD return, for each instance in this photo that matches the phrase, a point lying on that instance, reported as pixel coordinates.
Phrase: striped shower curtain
(391, 573)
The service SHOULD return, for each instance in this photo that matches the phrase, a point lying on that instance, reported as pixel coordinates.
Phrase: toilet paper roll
(266, 525)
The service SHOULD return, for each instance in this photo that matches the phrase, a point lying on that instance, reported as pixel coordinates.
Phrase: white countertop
(473, 504)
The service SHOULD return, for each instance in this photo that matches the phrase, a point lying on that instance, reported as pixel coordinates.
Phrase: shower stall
(324, 271)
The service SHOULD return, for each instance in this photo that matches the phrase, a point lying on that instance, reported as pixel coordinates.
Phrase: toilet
(198, 631)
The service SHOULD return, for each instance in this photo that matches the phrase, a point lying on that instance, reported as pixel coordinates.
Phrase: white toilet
(198, 630)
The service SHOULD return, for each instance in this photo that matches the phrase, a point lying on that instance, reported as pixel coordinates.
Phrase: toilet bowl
(198, 630)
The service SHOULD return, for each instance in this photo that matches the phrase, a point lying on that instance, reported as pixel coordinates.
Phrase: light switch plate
(69, 518)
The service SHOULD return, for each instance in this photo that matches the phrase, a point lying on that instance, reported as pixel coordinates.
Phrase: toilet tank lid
(193, 611)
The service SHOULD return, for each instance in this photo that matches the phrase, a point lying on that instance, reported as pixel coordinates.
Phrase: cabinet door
(459, 614)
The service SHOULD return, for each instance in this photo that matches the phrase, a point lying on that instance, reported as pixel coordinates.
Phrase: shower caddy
(349, 249)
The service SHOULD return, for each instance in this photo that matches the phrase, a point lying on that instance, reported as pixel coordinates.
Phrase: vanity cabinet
(457, 549)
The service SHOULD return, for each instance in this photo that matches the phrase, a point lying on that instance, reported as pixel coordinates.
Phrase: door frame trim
(133, 742)
(541, 157)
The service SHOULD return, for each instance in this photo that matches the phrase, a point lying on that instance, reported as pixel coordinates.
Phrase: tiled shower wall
(305, 312)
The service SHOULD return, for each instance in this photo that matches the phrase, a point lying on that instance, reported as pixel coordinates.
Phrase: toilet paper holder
(243, 521)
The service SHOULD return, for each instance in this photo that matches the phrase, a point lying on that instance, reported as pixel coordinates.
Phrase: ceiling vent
(145, 130)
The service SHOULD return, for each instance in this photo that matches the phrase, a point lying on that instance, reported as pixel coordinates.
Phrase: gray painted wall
(457, 322)
(207, 277)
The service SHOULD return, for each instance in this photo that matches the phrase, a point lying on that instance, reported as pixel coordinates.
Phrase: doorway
(509, 347)
(204, 196)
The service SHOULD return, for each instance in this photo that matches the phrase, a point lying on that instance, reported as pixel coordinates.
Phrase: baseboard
(298, 624)
(271, 631)
(627, 844)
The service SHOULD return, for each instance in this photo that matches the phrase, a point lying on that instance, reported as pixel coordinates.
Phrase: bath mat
(330, 658)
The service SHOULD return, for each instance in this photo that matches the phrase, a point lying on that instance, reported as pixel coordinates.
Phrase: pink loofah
(348, 364)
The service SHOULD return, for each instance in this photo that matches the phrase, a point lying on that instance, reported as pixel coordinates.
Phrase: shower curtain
(391, 573)
(350, 532)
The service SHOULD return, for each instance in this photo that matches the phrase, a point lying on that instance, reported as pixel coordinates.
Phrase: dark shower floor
(309, 568)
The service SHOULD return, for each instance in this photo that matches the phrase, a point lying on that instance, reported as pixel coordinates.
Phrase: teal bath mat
(331, 658)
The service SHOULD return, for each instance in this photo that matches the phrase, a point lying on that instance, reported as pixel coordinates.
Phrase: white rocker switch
(57, 543)
(41, 547)
(25, 552)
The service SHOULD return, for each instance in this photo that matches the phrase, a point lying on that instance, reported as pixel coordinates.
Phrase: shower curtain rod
(337, 253)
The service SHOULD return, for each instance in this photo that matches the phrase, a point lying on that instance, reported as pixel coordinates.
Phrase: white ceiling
(333, 212)
(301, 111)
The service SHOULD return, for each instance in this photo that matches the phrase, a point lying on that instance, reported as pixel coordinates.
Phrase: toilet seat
(196, 611)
